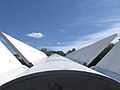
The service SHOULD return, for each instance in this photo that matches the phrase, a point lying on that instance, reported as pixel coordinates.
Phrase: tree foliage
(71, 51)
(50, 52)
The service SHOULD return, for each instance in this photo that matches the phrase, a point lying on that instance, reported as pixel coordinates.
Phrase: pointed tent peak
(26, 52)
(57, 57)
(10, 67)
(110, 64)
(7, 60)
(112, 55)
(114, 35)
(87, 54)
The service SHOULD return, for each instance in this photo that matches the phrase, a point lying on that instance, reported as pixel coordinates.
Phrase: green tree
(60, 53)
(50, 52)
(71, 51)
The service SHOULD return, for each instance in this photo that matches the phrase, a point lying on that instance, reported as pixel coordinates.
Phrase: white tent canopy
(110, 64)
(87, 54)
(10, 67)
(26, 52)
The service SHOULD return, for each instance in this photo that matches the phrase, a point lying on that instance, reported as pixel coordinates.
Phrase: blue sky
(60, 24)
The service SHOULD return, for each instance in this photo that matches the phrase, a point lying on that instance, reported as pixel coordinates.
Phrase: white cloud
(89, 39)
(59, 43)
(107, 22)
(111, 19)
(35, 35)
(62, 30)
